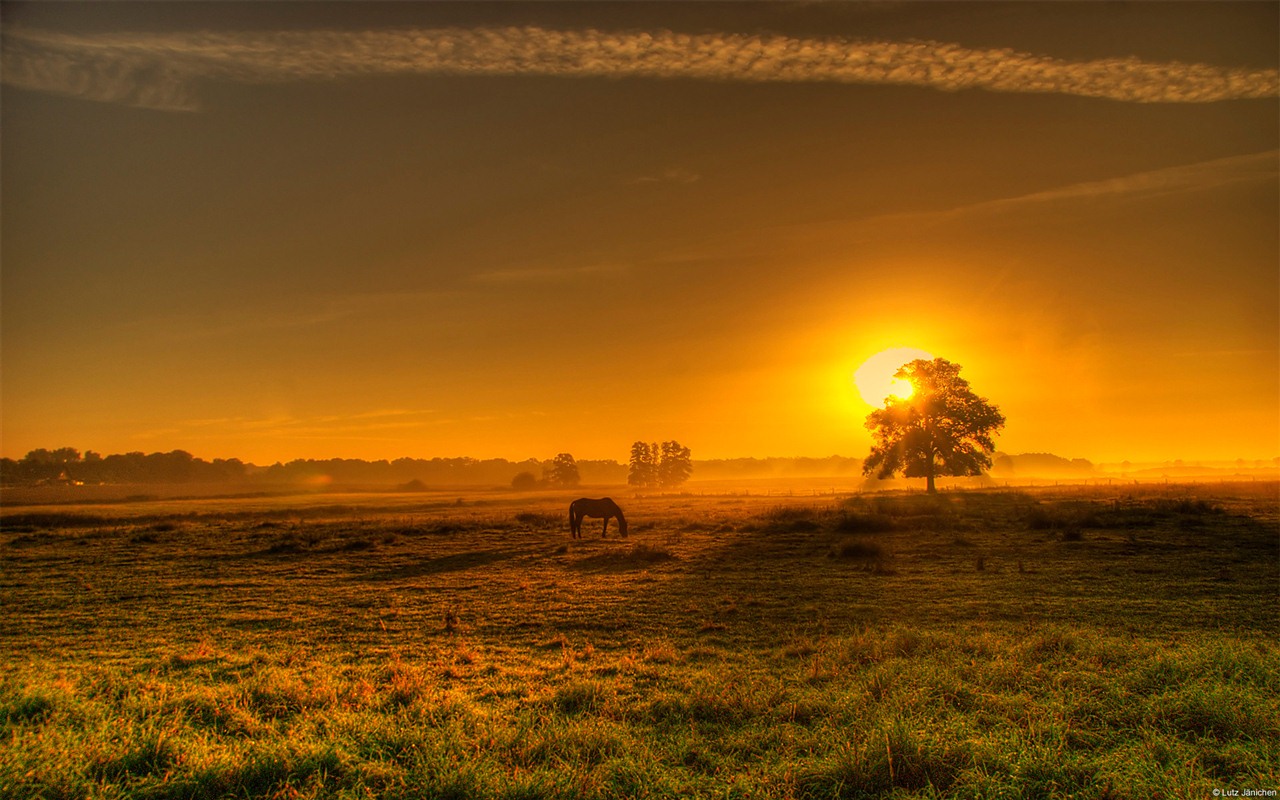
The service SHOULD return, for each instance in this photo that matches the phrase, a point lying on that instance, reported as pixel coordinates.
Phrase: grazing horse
(587, 507)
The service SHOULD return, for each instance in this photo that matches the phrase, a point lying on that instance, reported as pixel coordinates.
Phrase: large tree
(665, 466)
(562, 471)
(642, 472)
(676, 465)
(943, 428)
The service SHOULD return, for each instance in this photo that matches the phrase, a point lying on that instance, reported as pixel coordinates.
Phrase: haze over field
(279, 231)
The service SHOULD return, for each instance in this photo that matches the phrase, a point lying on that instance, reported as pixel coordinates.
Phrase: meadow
(1108, 642)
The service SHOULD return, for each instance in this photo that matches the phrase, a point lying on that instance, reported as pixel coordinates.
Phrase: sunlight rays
(875, 378)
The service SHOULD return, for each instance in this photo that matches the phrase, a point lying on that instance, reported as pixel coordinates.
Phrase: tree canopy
(943, 428)
(562, 471)
(665, 466)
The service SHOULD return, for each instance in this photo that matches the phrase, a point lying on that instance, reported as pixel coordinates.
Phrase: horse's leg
(605, 528)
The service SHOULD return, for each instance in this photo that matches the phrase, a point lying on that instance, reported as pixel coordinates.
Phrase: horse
(587, 507)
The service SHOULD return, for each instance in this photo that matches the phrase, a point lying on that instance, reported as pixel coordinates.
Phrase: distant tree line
(654, 466)
(67, 465)
(1042, 465)
(563, 470)
(560, 472)
(646, 469)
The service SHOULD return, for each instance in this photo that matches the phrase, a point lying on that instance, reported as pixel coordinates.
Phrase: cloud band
(158, 69)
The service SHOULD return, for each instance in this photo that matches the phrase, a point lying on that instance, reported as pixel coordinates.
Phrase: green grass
(880, 645)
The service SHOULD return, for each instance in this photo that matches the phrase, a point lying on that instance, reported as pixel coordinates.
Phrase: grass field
(1117, 642)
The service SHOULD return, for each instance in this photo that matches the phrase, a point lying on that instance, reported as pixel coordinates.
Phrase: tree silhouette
(652, 465)
(643, 469)
(943, 428)
(676, 465)
(562, 471)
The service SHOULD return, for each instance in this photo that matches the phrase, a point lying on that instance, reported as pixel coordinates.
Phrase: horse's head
(622, 524)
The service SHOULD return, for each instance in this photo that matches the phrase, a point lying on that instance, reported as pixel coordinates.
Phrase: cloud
(675, 175)
(1187, 177)
(302, 312)
(545, 274)
(1204, 175)
(357, 425)
(159, 70)
(837, 235)
(142, 79)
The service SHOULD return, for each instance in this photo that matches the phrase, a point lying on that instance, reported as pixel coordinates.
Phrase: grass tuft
(858, 549)
(650, 553)
(580, 697)
(26, 707)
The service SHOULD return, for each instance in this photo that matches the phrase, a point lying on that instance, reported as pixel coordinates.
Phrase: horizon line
(1181, 461)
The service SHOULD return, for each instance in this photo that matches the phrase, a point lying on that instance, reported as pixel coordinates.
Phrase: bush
(524, 482)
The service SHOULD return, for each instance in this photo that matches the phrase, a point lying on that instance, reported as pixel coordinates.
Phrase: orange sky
(273, 231)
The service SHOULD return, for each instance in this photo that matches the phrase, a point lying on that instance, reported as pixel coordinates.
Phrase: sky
(365, 230)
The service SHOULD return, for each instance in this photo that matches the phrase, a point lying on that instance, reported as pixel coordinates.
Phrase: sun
(875, 380)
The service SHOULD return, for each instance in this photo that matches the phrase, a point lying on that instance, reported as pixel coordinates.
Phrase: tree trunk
(929, 455)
